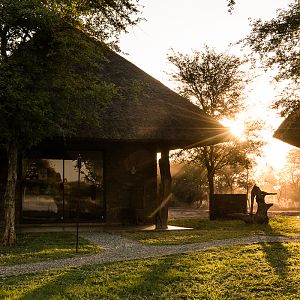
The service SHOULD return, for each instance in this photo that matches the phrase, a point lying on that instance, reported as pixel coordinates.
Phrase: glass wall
(52, 190)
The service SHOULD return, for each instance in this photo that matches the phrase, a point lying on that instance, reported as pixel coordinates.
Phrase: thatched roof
(146, 110)
(155, 113)
(289, 130)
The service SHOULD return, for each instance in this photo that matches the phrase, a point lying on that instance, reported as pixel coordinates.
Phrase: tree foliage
(288, 181)
(190, 184)
(104, 19)
(230, 5)
(39, 88)
(234, 179)
(285, 182)
(213, 81)
(278, 44)
(19, 20)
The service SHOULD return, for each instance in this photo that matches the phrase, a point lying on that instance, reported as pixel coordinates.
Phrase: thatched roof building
(289, 130)
(119, 155)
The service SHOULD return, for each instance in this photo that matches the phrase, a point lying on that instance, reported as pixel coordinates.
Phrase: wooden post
(77, 204)
(165, 191)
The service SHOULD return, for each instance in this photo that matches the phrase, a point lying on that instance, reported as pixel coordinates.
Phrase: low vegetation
(205, 230)
(262, 271)
(34, 247)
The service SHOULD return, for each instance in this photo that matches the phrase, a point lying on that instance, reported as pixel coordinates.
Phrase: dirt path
(118, 249)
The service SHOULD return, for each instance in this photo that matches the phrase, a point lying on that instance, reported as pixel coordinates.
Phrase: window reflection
(42, 194)
(70, 188)
(91, 186)
(51, 190)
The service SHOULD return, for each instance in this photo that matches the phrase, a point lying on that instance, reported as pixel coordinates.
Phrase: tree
(104, 20)
(219, 159)
(43, 61)
(189, 184)
(230, 5)
(289, 181)
(232, 178)
(215, 82)
(277, 44)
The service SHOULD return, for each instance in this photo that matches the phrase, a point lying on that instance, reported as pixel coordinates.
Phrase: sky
(188, 25)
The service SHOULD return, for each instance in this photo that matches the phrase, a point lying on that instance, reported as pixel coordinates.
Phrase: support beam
(165, 190)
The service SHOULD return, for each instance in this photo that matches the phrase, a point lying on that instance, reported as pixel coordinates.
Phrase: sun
(237, 127)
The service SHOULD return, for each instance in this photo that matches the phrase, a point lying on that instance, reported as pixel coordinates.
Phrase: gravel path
(118, 248)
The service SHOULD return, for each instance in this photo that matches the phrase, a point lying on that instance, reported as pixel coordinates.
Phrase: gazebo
(117, 182)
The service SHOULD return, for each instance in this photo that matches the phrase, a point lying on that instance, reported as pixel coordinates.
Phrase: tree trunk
(3, 40)
(208, 153)
(210, 178)
(211, 185)
(9, 236)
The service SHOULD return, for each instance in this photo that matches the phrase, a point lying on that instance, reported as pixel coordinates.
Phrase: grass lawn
(33, 247)
(205, 230)
(262, 271)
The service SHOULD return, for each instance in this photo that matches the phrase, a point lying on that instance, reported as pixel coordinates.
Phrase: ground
(216, 260)
(188, 213)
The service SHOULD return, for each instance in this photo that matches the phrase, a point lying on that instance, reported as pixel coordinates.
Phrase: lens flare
(236, 127)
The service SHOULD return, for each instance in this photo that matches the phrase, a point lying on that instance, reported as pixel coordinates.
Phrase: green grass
(262, 271)
(34, 247)
(205, 230)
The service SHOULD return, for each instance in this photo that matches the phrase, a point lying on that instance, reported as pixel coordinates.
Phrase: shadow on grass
(56, 286)
(154, 281)
(36, 247)
(150, 282)
(276, 254)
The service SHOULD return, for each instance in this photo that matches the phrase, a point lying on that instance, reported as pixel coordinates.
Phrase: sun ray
(236, 127)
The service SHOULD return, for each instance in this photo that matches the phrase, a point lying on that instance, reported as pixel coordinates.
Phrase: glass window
(91, 186)
(42, 192)
(51, 190)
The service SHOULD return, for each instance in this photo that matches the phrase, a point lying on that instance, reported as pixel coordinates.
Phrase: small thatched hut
(118, 178)
(289, 130)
